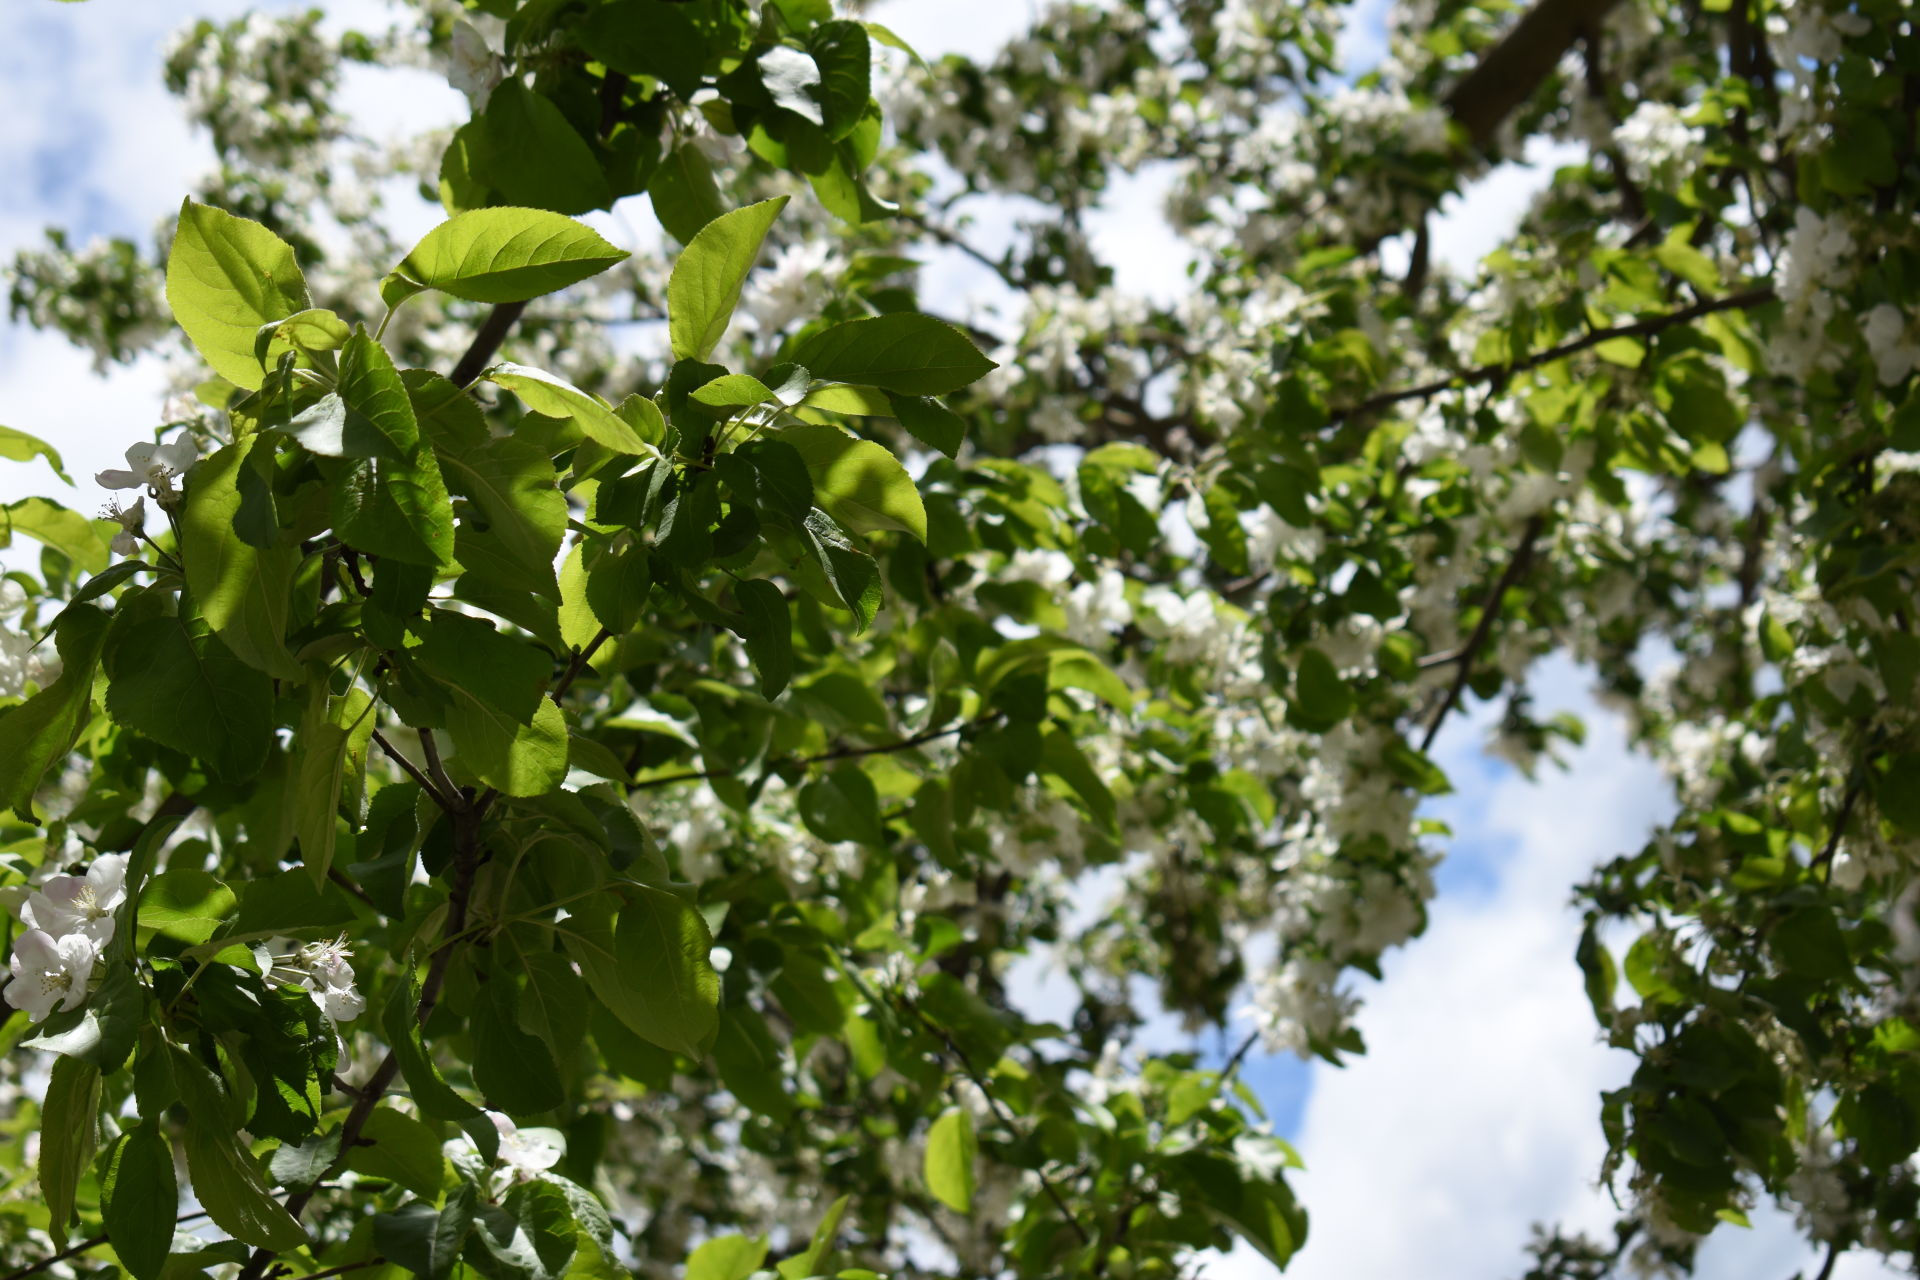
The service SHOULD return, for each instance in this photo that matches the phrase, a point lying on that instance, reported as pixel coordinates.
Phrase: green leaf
(514, 1070)
(506, 255)
(225, 1177)
(531, 155)
(522, 517)
(664, 943)
(21, 447)
(544, 393)
(849, 571)
(185, 903)
(886, 36)
(325, 744)
(790, 77)
(302, 1164)
(646, 38)
(768, 631)
(857, 482)
(173, 680)
(517, 759)
(1321, 699)
(242, 590)
(902, 352)
(843, 805)
(685, 196)
(498, 670)
(368, 415)
(285, 902)
(69, 1127)
(952, 1151)
(1066, 664)
(38, 734)
(930, 422)
(733, 1257)
(1600, 972)
(395, 508)
(400, 1149)
(425, 1240)
(226, 277)
(705, 285)
(315, 329)
(845, 57)
(813, 1259)
(139, 1199)
(81, 540)
(100, 1032)
(554, 1004)
(429, 1091)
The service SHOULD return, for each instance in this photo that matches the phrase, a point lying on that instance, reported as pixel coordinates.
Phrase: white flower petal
(117, 479)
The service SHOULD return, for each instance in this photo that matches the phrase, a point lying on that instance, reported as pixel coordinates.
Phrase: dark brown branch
(1824, 860)
(75, 1250)
(412, 770)
(493, 331)
(430, 748)
(578, 664)
(1508, 73)
(1489, 614)
(953, 240)
(1497, 372)
(838, 753)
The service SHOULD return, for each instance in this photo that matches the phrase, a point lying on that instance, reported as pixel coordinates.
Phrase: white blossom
(320, 967)
(83, 904)
(49, 973)
(153, 467)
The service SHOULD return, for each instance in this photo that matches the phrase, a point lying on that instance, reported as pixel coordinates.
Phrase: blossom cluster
(70, 921)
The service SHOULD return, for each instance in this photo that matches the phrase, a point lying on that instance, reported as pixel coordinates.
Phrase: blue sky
(1474, 1114)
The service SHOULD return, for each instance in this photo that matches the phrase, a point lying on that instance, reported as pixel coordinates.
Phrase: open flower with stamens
(321, 967)
(153, 467)
(82, 904)
(49, 973)
(132, 521)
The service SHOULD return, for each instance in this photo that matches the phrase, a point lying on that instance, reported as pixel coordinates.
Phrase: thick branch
(1508, 73)
(493, 331)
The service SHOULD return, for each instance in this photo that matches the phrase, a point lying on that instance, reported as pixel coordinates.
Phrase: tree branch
(838, 753)
(1495, 372)
(412, 770)
(75, 1250)
(1489, 614)
(493, 331)
(1508, 73)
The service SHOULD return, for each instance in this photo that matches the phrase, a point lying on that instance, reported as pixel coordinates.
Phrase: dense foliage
(549, 762)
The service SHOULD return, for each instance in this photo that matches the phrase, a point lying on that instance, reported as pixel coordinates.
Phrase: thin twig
(954, 241)
(1005, 1117)
(838, 753)
(578, 664)
(1495, 372)
(430, 748)
(412, 770)
(1489, 614)
(74, 1250)
(338, 877)
(1855, 785)
(375, 1261)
